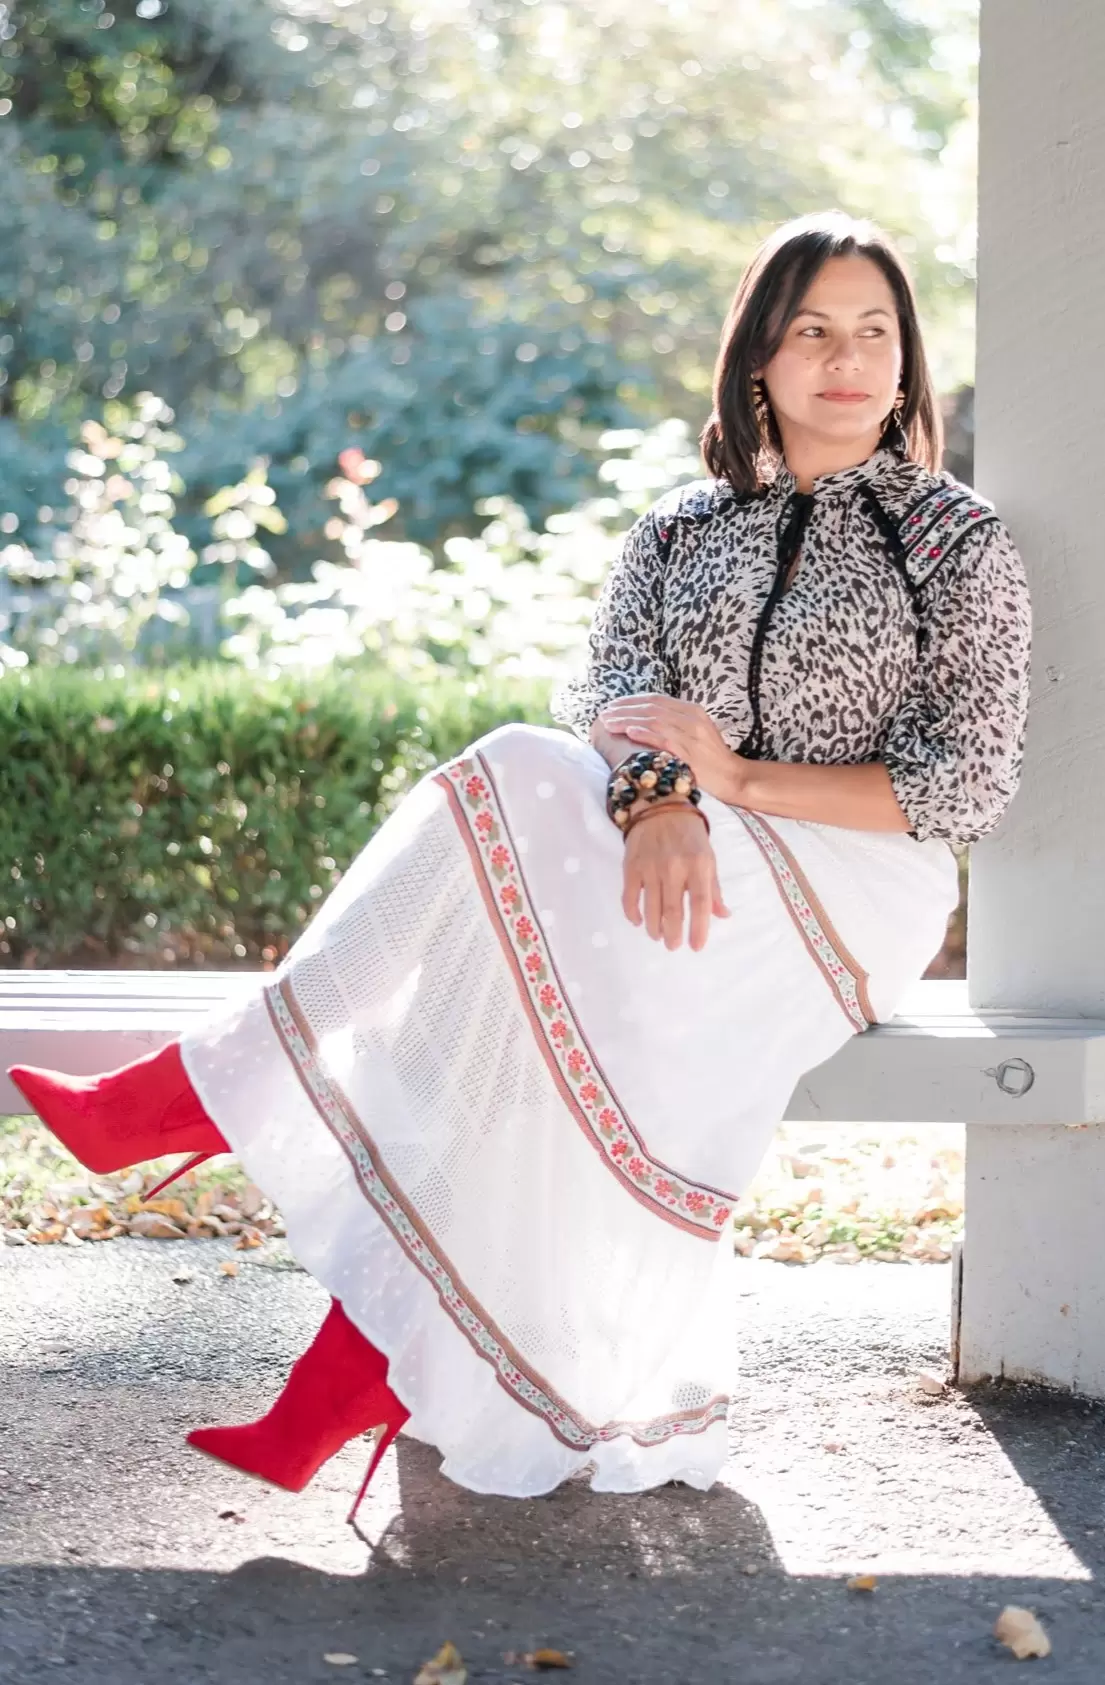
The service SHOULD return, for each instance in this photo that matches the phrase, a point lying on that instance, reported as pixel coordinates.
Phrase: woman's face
(836, 374)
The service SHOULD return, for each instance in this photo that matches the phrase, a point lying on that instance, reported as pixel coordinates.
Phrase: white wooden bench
(1027, 1300)
(937, 1061)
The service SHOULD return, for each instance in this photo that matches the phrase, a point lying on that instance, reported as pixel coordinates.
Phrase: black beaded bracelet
(648, 774)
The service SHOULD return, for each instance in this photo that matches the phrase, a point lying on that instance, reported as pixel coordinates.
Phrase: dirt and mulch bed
(889, 1193)
(48, 1199)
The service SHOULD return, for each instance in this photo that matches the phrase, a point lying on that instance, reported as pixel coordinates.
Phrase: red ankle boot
(336, 1390)
(121, 1117)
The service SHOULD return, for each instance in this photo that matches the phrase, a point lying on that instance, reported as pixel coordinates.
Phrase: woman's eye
(871, 333)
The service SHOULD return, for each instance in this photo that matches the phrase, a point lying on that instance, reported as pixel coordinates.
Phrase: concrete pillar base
(1032, 1295)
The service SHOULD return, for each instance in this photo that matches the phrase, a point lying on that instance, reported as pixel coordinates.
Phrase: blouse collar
(845, 479)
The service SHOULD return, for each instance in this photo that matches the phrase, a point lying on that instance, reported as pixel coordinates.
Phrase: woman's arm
(954, 749)
(624, 645)
(666, 865)
(860, 798)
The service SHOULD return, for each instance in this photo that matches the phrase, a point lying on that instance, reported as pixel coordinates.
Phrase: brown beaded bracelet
(648, 774)
(662, 807)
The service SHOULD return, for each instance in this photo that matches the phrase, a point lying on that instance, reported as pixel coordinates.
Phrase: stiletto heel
(192, 1163)
(385, 1433)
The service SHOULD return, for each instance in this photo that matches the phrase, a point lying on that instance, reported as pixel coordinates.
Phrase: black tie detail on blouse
(792, 529)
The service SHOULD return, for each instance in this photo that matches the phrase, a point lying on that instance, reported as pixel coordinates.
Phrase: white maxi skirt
(506, 1128)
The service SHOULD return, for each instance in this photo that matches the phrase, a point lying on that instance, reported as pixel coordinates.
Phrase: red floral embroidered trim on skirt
(479, 813)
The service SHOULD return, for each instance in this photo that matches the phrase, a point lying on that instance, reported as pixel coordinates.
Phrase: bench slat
(937, 1061)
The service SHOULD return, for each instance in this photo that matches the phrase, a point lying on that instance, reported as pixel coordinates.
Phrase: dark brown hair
(735, 446)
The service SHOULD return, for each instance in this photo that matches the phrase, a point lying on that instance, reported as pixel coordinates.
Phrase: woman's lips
(845, 397)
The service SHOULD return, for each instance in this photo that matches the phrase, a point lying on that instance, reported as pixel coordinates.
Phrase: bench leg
(1032, 1300)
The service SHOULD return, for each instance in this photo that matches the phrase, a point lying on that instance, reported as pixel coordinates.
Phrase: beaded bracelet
(648, 774)
(651, 812)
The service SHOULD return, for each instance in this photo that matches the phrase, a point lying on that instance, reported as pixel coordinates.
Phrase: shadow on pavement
(651, 1589)
(126, 1560)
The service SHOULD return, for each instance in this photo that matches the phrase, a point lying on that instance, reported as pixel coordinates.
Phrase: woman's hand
(668, 858)
(655, 721)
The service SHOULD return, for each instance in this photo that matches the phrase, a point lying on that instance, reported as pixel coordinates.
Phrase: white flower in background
(113, 554)
(512, 600)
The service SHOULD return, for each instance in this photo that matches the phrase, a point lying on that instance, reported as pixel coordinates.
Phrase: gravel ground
(125, 1557)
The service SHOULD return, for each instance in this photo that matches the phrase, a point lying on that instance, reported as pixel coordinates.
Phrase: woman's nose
(844, 352)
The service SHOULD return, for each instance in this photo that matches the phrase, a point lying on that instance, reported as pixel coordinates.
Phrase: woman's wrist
(655, 810)
(740, 783)
(658, 801)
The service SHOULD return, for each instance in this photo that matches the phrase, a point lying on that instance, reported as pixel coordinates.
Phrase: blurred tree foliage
(466, 236)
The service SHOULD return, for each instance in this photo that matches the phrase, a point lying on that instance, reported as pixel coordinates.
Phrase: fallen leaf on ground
(228, 1267)
(862, 1582)
(785, 1249)
(47, 1236)
(340, 1658)
(932, 1383)
(446, 1668)
(547, 1658)
(84, 1220)
(174, 1209)
(247, 1239)
(151, 1225)
(183, 1277)
(230, 1515)
(1021, 1632)
(937, 1208)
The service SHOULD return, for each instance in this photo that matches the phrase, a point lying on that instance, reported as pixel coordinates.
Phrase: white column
(1033, 1300)
(1037, 914)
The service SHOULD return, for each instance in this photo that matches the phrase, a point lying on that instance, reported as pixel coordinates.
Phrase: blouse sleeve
(624, 645)
(954, 748)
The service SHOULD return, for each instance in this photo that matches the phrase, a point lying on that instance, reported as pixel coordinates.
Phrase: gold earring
(895, 434)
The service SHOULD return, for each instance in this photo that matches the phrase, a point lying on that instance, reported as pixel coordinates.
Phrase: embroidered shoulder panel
(696, 501)
(935, 524)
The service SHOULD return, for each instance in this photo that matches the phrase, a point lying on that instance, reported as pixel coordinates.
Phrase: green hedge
(200, 816)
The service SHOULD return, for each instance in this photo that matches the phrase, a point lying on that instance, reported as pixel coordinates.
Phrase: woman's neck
(808, 457)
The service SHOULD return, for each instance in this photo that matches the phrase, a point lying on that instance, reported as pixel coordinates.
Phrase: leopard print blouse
(903, 634)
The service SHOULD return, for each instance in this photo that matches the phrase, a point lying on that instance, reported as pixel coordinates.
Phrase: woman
(503, 1105)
